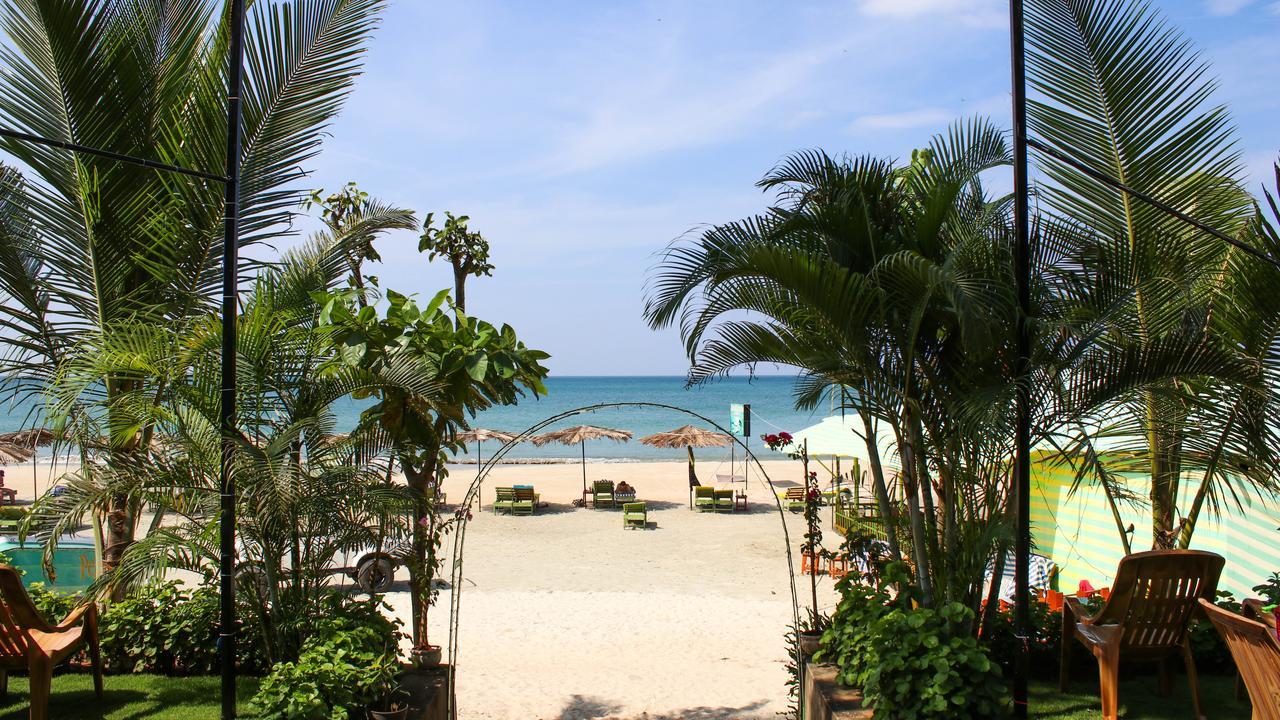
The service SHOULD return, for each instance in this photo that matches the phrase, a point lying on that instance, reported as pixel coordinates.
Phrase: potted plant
(392, 701)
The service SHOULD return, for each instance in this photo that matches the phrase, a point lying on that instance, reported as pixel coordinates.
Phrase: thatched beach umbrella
(479, 435)
(11, 453)
(28, 438)
(688, 437)
(580, 434)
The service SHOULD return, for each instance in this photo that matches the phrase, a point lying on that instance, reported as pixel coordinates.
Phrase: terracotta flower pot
(810, 642)
(429, 656)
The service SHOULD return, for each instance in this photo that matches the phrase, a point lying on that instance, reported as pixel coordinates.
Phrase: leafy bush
(923, 663)
(1044, 644)
(1211, 652)
(52, 604)
(910, 662)
(162, 628)
(344, 666)
(846, 641)
(12, 512)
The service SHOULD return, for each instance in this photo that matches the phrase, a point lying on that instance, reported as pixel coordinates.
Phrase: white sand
(566, 616)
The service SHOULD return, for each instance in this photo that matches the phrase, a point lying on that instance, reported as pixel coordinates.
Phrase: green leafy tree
(350, 212)
(1119, 90)
(306, 498)
(465, 250)
(113, 247)
(467, 364)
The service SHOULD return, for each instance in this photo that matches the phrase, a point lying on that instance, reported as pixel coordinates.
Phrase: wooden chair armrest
(86, 613)
(1072, 604)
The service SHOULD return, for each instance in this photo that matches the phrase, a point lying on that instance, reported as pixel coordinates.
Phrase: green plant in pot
(393, 701)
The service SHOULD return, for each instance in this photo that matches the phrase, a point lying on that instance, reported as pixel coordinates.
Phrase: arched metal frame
(473, 495)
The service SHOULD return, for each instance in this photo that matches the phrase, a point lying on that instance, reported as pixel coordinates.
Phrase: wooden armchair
(1152, 601)
(29, 643)
(1256, 652)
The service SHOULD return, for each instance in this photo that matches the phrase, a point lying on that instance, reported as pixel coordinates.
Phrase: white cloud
(984, 13)
(1223, 8)
(663, 111)
(933, 118)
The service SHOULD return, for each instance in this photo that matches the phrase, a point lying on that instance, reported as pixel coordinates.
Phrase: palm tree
(1126, 95)
(889, 286)
(108, 246)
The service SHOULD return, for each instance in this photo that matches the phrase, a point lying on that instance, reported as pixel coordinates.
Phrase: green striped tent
(1078, 531)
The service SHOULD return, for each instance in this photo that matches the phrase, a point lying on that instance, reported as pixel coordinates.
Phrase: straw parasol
(688, 437)
(28, 438)
(580, 434)
(11, 453)
(479, 435)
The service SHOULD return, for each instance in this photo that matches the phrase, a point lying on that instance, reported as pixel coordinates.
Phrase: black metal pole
(230, 302)
(1022, 391)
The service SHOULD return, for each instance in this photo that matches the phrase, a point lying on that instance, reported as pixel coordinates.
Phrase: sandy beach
(567, 616)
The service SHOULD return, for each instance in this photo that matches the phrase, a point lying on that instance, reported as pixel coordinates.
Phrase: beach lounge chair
(602, 494)
(704, 498)
(1256, 652)
(1153, 599)
(635, 514)
(504, 499)
(30, 644)
(724, 500)
(794, 500)
(524, 501)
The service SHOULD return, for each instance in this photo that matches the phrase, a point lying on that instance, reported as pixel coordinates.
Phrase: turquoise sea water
(770, 398)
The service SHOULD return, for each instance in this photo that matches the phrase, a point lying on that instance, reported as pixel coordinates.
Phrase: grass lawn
(128, 697)
(1140, 698)
(144, 697)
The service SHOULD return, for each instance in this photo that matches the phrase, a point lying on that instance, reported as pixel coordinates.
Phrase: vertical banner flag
(740, 420)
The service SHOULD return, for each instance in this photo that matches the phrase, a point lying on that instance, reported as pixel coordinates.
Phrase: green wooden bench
(504, 499)
(602, 494)
(524, 501)
(635, 515)
(704, 498)
(723, 500)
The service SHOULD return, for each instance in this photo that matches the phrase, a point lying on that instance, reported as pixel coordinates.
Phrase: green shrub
(845, 643)
(1210, 651)
(12, 512)
(53, 604)
(910, 662)
(162, 628)
(923, 663)
(1044, 644)
(345, 665)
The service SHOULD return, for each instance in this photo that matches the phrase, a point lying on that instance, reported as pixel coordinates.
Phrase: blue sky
(582, 137)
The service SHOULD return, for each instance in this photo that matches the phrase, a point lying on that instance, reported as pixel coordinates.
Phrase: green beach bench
(704, 498)
(635, 515)
(504, 499)
(723, 500)
(524, 502)
(602, 494)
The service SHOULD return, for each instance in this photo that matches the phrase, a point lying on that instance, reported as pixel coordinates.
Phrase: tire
(375, 573)
(252, 574)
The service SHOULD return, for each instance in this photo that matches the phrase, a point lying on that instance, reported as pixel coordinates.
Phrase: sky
(583, 137)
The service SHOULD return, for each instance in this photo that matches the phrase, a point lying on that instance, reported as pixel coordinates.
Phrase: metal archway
(459, 538)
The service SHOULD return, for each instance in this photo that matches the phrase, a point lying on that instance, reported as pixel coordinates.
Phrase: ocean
(770, 397)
